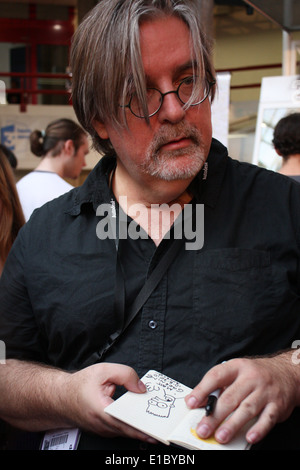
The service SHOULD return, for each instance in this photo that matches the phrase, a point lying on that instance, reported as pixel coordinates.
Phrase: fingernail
(192, 402)
(252, 437)
(222, 435)
(203, 430)
(150, 440)
(142, 386)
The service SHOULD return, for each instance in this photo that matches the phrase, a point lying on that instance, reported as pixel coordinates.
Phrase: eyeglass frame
(210, 85)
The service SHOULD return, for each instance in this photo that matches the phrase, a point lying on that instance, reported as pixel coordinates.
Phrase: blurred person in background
(63, 148)
(11, 213)
(12, 219)
(10, 156)
(287, 145)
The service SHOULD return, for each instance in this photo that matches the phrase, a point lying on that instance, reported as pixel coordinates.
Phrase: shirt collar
(205, 187)
(95, 190)
(207, 184)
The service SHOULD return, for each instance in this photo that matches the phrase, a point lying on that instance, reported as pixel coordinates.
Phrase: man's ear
(100, 128)
(69, 147)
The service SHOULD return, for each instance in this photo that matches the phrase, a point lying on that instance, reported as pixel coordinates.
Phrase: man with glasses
(184, 92)
(143, 83)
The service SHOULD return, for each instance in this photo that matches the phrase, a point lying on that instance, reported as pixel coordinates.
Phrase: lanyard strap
(147, 289)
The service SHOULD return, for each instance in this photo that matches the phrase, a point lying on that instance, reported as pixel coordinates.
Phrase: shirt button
(152, 324)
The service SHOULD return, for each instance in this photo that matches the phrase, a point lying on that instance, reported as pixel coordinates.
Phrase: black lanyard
(124, 320)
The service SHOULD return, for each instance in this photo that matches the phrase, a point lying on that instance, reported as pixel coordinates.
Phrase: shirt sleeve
(18, 328)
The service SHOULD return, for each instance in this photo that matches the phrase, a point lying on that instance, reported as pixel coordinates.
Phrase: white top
(39, 187)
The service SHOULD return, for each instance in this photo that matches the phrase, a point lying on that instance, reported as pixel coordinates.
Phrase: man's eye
(189, 80)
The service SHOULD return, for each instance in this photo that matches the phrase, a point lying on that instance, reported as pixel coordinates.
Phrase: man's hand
(35, 397)
(262, 388)
(92, 390)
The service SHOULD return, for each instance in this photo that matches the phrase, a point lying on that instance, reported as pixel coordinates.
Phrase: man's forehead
(188, 67)
(165, 43)
(161, 30)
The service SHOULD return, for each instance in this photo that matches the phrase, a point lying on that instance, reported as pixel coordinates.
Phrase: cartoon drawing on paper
(161, 406)
(162, 401)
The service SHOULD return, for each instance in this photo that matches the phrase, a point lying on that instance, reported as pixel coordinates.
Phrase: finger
(231, 413)
(218, 377)
(119, 374)
(244, 415)
(267, 419)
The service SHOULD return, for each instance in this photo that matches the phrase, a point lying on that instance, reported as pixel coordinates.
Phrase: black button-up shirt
(236, 296)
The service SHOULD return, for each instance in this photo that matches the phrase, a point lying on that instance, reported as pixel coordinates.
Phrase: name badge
(61, 439)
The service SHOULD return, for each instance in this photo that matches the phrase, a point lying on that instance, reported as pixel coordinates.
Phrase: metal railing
(29, 87)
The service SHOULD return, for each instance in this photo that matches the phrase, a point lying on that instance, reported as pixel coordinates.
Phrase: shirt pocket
(233, 292)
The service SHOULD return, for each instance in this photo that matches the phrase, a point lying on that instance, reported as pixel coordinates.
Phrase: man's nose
(171, 109)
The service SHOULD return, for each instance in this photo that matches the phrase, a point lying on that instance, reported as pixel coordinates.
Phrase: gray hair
(106, 59)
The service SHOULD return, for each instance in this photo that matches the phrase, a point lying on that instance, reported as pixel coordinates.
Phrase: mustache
(170, 132)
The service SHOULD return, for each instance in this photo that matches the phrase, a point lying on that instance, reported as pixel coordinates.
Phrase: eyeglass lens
(155, 97)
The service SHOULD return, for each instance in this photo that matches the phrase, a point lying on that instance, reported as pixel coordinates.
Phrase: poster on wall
(14, 134)
(220, 108)
(279, 97)
(2, 92)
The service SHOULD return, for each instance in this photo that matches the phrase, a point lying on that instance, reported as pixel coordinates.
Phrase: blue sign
(12, 135)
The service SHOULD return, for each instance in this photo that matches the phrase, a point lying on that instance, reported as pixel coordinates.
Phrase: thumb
(132, 382)
(125, 376)
(118, 374)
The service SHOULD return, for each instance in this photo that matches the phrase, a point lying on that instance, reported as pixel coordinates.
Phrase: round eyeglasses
(184, 92)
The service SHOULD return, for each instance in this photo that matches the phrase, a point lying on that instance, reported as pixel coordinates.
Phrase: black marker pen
(211, 402)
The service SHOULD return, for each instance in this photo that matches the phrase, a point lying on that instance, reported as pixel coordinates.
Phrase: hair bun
(37, 142)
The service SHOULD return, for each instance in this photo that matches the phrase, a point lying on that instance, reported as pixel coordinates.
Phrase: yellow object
(209, 440)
